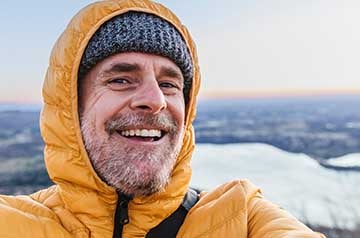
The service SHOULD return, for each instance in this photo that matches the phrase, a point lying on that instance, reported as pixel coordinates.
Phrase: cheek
(104, 108)
(177, 109)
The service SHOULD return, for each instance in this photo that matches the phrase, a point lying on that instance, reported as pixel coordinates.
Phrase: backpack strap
(169, 227)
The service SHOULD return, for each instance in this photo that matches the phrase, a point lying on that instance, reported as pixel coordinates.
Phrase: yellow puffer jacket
(81, 205)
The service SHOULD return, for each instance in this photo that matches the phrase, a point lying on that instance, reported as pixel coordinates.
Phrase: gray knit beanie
(138, 32)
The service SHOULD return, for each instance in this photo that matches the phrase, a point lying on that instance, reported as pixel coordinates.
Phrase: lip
(140, 142)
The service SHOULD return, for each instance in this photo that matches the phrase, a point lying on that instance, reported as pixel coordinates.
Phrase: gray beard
(129, 169)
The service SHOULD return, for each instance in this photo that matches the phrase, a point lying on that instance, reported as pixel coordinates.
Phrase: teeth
(145, 132)
(142, 132)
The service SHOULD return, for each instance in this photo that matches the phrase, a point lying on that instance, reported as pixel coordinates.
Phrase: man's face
(132, 113)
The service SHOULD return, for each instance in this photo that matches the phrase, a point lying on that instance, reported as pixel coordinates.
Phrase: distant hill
(322, 127)
(22, 168)
(19, 107)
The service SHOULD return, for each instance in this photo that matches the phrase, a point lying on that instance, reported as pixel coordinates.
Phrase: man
(119, 102)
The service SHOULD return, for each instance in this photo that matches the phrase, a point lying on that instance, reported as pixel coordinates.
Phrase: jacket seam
(78, 230)
(58, 148)
(217, 226)
(56, 106)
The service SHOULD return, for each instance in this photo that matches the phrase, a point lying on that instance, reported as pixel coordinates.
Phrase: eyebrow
(128, 67)
(122, 68)
(171, 72)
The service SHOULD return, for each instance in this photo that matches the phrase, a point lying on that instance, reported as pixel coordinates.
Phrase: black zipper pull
(123, 206)
(121, 214)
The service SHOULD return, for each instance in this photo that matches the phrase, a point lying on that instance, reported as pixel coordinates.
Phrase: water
(296, 182)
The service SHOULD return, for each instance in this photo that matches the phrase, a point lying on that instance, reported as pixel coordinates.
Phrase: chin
(144, 187)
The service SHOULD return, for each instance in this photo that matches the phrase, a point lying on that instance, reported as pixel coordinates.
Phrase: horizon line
(248, 94)
(242, 94)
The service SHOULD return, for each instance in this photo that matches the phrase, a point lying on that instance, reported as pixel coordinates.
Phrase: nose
(149, 98)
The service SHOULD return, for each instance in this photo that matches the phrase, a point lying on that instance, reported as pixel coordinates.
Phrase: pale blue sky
(245, 47)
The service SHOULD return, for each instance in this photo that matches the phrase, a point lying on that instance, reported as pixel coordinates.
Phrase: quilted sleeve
(265, 219)
(20, 216)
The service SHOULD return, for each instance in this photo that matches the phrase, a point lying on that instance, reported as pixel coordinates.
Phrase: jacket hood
(66, 159)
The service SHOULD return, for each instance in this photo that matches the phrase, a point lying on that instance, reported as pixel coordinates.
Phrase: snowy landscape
(296, 182)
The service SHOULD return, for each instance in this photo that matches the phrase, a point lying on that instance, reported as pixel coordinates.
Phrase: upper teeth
(142, 132)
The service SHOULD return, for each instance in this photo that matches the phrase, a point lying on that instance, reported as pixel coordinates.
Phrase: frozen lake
(294, 181)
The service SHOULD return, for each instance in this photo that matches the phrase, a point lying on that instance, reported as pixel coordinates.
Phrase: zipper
(121, 214)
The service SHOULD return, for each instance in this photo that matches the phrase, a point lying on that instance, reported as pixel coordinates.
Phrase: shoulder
(236, 194)
(223, 209)
(20, 214)
(238, 209)
(238, 190)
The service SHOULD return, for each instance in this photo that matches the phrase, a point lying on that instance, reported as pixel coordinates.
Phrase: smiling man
(132, 120)
(119, 102)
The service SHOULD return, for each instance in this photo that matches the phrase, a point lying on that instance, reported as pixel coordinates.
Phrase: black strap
(169, 227)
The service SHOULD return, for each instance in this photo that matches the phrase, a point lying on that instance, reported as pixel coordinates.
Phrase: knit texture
(138, 32)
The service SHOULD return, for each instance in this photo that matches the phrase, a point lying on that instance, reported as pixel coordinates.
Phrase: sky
(257, 47)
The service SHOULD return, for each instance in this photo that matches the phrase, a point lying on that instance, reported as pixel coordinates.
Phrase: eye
(168, 85)
(119, 81)
(120, 84)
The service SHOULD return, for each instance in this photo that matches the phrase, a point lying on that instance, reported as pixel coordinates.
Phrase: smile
(148, 135)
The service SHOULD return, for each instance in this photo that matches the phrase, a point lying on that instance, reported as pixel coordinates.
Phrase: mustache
(162, 121)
